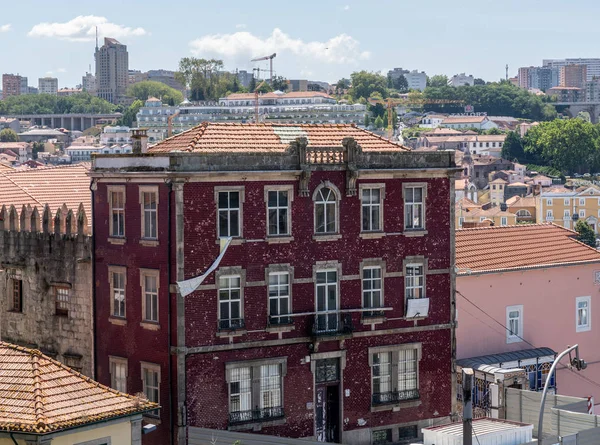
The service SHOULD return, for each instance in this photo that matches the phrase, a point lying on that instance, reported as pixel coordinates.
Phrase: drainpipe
(93, 187)
(169, 305)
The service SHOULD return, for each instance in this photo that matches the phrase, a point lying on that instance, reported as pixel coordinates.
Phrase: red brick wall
(132, 341)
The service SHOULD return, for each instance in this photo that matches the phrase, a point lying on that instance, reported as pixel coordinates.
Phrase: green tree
(279, 83)
(205, 78)
(479, 81)
(129, 116)
(437, 81)
(8, 135)
(342, 85)
(513, 147)
(37, 147)
(586, 233)
(252, 84)
(365, 83)
(398, 83)
(379, 122)
(367, 120)
(148, 88)
(314, 87)
(50, 104)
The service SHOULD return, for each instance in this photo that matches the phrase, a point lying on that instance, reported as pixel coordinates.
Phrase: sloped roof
(494, 249)
(464, 119)
(40, 395)
(54, 186)
(521, 201)
(211, 137)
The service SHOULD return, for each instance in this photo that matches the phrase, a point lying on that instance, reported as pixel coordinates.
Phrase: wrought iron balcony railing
(280, 320)
(332, 323)
(231, 324)
(256, 415)
(383, 398)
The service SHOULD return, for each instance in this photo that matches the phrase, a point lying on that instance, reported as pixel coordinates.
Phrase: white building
(88, 83)
(83, 153)
(432, 120)
(464, 122)
(48, 85)
(459, 80)
(416, 80)
(115, 135)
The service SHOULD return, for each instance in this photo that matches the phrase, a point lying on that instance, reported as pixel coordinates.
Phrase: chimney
(140, 140)
(503, 207)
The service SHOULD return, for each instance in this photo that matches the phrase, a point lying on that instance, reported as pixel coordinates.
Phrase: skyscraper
(11, 85)
(112, 68)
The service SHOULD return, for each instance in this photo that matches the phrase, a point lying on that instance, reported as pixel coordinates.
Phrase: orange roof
(273, 95)
(463, 119)
(54, 186)
(210, 137)
(40, 395)
(493, 249)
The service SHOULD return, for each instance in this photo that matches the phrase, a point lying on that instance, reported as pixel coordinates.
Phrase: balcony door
(327, 301)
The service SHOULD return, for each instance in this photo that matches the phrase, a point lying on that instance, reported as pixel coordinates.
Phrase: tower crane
(270, 59)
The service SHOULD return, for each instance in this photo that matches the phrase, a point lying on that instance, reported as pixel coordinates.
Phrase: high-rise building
(592, 65)
(11, 85)
(88, 83)
(459, 80)
(48, 85)
(23, 88)
(112, 71)
(541, 78)
(164, 76)
(416, 80)
(573, 76)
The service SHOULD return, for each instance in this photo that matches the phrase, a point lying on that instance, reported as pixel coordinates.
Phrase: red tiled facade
(323, 378)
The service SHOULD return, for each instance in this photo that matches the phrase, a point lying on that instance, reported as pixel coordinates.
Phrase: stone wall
(49, 258)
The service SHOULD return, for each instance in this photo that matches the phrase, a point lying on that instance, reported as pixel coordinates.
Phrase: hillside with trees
(144, 90)
(50, 104)
(206, 79)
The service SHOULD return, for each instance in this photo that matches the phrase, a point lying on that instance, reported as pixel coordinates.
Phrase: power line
(475, 434)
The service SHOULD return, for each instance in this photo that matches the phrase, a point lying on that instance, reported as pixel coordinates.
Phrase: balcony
(280, 320)
(385, 398)
(332, 324)
(231, 324)
(256, 415)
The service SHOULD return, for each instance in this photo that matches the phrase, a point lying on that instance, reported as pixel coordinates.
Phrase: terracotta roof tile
(463, 119)
(490, 249)
(211, 137)
(40, 395)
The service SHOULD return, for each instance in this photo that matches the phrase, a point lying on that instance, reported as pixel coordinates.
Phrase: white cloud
(5, 28)
(242, 46)
(240, 26)
(83, 29)
(347, 8)
(61, 70)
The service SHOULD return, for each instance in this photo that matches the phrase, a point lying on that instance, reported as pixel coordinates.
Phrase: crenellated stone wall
(46, 282)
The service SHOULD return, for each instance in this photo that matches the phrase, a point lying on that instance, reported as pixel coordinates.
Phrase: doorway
(327, 400)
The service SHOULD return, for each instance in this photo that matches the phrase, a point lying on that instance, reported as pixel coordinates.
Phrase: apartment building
(329, 316)
(564, 206)
(112, 71)
(11, 85)
(48, 85)
(592, 65)
(416, 80)
(459, 80)
(574, 76)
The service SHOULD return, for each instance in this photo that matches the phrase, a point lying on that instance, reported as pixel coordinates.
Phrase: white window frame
(567, 201)
(549, 213)
(582, 213)
(317, 195)
(369, 291)
(118, 382)
(151, 367)
(289, 189)
(148, 213)
(503, 220)
(411, 262)
(228, 274)
(549, 201)
(581, 201)
(461, 221)
(278, 286)
(567, 213)
(511, 338)
(240, 210)
(378, 207)
(329, 320)
(588, 326)
(154, 295)
(423, 203)
(112, 270)
(110, 190)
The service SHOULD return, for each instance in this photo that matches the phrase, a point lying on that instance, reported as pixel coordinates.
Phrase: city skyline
(315, 42)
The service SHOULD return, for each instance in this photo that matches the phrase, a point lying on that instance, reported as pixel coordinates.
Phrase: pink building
(540, 283)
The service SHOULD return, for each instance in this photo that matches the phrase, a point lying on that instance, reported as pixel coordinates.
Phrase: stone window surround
(420, 260)
(111, 270)
(588, 327)
(12, 274)
(231, 271)
(329, 236)
(423, 230)
(512, 338)
(274, 268)
(148, 189)
(371, 263)
(110, 189)
(55, 287)
(328, 266)
(115, 360)
(394, 349)
(381, 187)
(279, 188)
(242, 191)
(150, 324)
(152, 367)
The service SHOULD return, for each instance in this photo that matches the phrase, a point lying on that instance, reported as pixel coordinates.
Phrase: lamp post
(578, 363)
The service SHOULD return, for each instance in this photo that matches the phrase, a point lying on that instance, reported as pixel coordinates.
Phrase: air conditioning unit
(417, 307)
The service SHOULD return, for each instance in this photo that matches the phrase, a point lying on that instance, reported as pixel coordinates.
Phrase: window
(414, 207)
(414, 281)
(372, 290)
(567, 213)
(481, 218)
(514, 324)
(116, 196)
(255, 390)
(230, 303)
(117, 277)
(581, 201)
(461, 221)
(278, 211)
(549, 201)
(279, 298)
(118, 373)
(229, 205)
(549, 214)
(372, 210)
(567, 201)
(16, 289)
(503, 221)
(151, 384)
(584, 323)
(394, 373)
(582, 213)
(149, 203)
(406, 433)
(382, 437)
(149, 283)
(327, 301)
(325, 210)
(523, 213)
(61, 295)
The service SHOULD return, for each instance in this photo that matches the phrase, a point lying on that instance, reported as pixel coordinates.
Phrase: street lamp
(578, 363)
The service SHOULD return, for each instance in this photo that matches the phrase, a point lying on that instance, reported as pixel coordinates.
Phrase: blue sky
(318, 40)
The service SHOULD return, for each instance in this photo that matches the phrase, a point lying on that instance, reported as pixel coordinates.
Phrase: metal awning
(506, 357)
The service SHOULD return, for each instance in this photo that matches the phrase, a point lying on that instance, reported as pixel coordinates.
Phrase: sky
(317, 40)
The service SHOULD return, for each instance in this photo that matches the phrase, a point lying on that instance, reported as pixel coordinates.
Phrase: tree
(437, 81)
(129, 116)
(367, 120)
(204, 77)
(37, 147)
(148, 88)
(479, 81)
(50, 104)
(379, 122)
(314, 87)
(8, 135)
(252, 84)
(342, 85)
(398, 83)
(513, 147)
(365, 83)
(586, 233)
(279, 83)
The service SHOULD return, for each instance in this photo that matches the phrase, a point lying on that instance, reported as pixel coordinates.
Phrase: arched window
(524, 213)
(325, 210)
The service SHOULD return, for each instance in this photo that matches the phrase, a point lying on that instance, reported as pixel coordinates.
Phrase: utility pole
(507, 71)
(467, 384)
